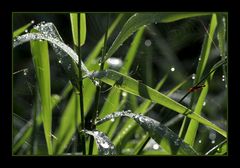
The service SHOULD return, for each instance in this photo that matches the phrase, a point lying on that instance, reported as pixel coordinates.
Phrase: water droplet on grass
(112, 119)
(25, 71)
(26, 31)
(212, 136)
(105, 145)
(148, 43)
(199, 59)
(213, 141)
(32, 22)
(204, 103)
(200, 141)
(172, 69)
(193, 76)
(59, 61)
(155, 146)
(124, 94)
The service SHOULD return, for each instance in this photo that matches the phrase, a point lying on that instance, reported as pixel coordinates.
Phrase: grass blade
(22, 29)
(105, 146)
(74, 25)
(39, 51)
(132, 86)
(193, 126)
(140, 19)
(160, 133)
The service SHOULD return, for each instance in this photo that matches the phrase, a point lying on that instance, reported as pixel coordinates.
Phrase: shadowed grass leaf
(160, 133)
(105, 146)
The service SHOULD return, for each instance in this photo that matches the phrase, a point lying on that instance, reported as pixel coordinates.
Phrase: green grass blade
(74, 25)
(105, 146)
(67, 126)
(206, 48)
(193, 126)
(21, 29)
(160, 133)
(221, 36)
(97, 49)
(137, 88)
(140, 19)
(40, 55)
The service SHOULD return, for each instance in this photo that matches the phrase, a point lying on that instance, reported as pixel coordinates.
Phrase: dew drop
(25, 71)
(172, 69)
(32, 22)
(59, 61)
(148, 43)
(124, 94)
(155, 23)
(200, 141)
(226, 86)
(156, 146)
(199, 59)
(26, 31)
(212, 136)
(112, 119)
(69, 67)
(204, 103)
(193, 76)
(105, 145)
(213, 141)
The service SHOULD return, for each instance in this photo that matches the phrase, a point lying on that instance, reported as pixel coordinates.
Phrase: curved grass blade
(137, 88)
(74, 25)
(140, 19)
(160, 133)
(220, 149)
(105, 146)
(50, 33)
(40, 55)
(22, 29)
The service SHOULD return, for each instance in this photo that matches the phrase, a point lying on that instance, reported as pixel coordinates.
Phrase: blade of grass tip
(206, 48)
(22, 29)
(142, 19)
(221, 36)
(39, 51)
(96, 109)
(75, 29)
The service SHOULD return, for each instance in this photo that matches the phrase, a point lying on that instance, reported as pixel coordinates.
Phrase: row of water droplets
(49, 32)
(105, 146)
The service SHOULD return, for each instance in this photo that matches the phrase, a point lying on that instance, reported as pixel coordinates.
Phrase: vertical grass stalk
(80, 89)
(96, 110)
